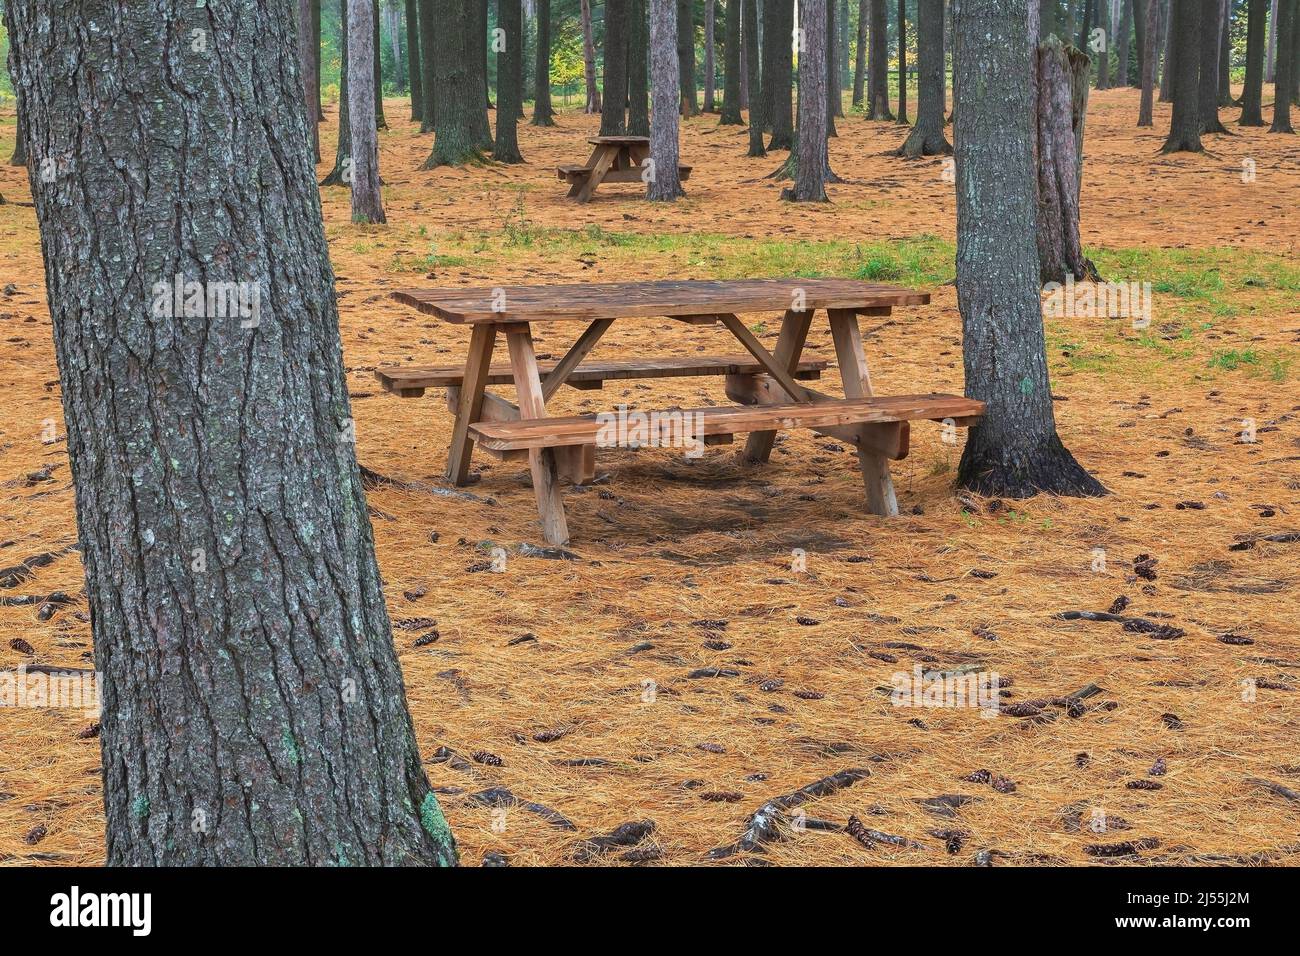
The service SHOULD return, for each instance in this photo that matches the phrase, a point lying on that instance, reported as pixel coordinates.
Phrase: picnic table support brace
(789, 348)
(481, 341)
(541, 461)
(847, 335)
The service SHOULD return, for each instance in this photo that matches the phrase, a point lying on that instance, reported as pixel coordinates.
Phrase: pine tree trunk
(860, 59)
(832, 100)
(457, 89)
(1102, 15)
(926, 137)
(1149, 34)
(878, 65)
(1207, 95)
(393, 17)
(754, 78)
(1170, 48)
(341, 174)
(305, 55)
(665, 76)
(477, 27)
(510, 93)
(315, 89)
(367, 200)
(589, 59)
(1014, 451)
(686, 56)
(638, 70)
(1061, 78)
(744, 61)
(413, 67)
(253, 705)
(842, 58)
(613, 113)
(19, 157)
(1124, 36)
(902, 63)
(543, 112)
(1286, 63)
(1184, 40)
(710, 65)
(810, 183)
(1270, 58)
(778, 71)
(1252, 94)
(731, 81)
(429, 33)
(376, 68)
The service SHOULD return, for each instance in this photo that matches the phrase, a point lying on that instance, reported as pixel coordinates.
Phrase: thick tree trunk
(710, 65)
(367, 201)
(809, 181)
(1270, 58)
(1149, 34)
(253, 706)
(1184, 39)
(754, 78)
(306, 53)
(1140, 37)
(878, 65)
(926, 137)
(1207, 95)
(457, 91)
(902, 63)
(665, 76)
(589, 59)
(1225, 54)
(543, 112)
(1286, 63)
(860, 59)
(429, 34)
(1061, 75)
(1014, 451)
(686, 56)
(341, 174)
(413, 67)
(638, 70)
(732, 82)
(778, 71)
(1252, 94)
(510, 92)
(613, 112)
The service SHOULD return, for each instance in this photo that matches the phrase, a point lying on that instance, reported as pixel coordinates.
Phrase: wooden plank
(857, 385)
(730, 420)
(577, 352)
(473, 381)
(588, 302)
(495, 409)
(403, 380)
(789, 349)
(541, 460)
(619, 140)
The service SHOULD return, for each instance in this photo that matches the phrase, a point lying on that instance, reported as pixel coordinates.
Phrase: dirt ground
(683, 669)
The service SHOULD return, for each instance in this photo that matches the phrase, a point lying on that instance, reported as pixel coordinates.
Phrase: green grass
(1229, 360)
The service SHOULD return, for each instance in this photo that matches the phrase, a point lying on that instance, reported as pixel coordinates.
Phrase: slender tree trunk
(613, 113)
(457, 87)
(367, 200)
(665, 76)
(1061, 79)
(1124, 38)
(812, 163)
(341, 174)
(315, 32)
(1207, 95)
(638, 70)
(306, 53)
(1102, 14)
(744, 63)
(253, 705)
(413, 67)
(1149, 35)
(510, 92)
(1225, 55)
(1252, 94)
(731, 81)
(710, 65)
(376, 66)
(1170, 48)
(589, 59)
(1270, 58)
(1184, 39)
(902, 63)
(543, 113)
(878, 65)
(832, 97)
(393, 17)
(778, 71)
(1286, 63)
(926, 137)
(686, 56)
(1014, 451)
(842, 58)
(860, 60)
(1140, 38)
(429, 34)
(477, 40)
(1086, 25)
(754, 78)
(19, 157)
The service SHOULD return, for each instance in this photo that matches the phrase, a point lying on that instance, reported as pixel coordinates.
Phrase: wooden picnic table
(615, 159)
(765, 384)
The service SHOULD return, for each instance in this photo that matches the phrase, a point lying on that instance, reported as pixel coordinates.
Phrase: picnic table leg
(789, 347)
(603, 164)
(857, 384)
(470, 407)
(541, 461)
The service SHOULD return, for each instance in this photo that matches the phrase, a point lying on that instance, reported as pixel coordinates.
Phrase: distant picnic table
(766, 385)
(615, 159)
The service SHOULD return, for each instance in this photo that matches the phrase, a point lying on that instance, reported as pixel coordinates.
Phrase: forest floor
(685, 566)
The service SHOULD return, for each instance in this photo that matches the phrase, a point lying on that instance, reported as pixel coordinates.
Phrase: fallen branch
(1285, 792)
(627, 834)
(501, 797)
(764, 825)
(1139, 625)
(1282, 537)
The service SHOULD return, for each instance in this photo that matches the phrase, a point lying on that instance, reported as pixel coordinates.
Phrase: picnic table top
(589, 301)
(619, 140)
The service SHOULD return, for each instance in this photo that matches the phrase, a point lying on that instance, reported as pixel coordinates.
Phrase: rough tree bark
(367, 200)
(1270, 58)
(1207, 95)
(1170, 48)
(613, 111)
(878, 65)
(1149, 35)
(477, 28)
(457, 94)
(1225, 54)
(778, 71)
(686, 56)
(926, 137)
(744, 61)
(306, 54)
(710, 64)
(413, 59)
(754, 78)
(589, 59)
(341, 174)
(253, 706)
(1014, 451)
(543, 112)
(731, 81)
(665, 183)
(902, 63)
(510, 91)
(1185, 126)
(1286, 63)
(429, 34)
(19, 157)
(860, 57)
(809, 177)
(315, 35)
(1252, 94)
(638, 70)
(832, 99)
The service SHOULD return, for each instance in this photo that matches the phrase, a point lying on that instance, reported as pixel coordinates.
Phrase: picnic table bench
(766, 384)
(615, 159)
